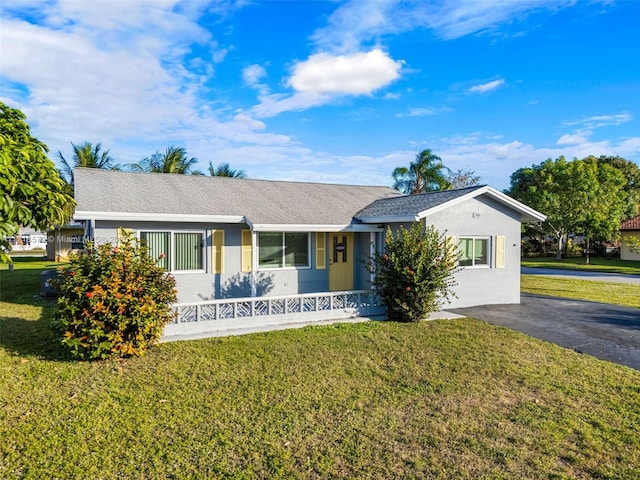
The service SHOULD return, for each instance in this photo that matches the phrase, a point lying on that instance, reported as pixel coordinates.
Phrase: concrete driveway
(608, 332)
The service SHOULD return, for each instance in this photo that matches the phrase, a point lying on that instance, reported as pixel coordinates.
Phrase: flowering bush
(113, 301)
(414, 275)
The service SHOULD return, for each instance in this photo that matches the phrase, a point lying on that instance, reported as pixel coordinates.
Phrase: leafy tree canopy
(225, 170)
(174, 160)
(580, 196)
(462, 178)
(86, 155)
(32, 193)
(425, 174)
(631, 173)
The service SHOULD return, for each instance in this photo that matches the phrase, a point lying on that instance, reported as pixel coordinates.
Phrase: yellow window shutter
(246, 251)
(500, 251)
(321, 251)
(123, 233)
(217, 256)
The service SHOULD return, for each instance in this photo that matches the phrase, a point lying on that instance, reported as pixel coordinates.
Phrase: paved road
(608, 332)
(584, 275)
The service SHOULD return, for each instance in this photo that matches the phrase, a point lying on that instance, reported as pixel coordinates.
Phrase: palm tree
(425, 174)
(86, 155)
(224, 170)
(174, 160)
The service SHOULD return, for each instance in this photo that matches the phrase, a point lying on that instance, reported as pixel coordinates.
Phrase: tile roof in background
(631, 224)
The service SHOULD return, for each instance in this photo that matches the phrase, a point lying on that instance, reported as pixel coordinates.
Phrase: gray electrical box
(46, 289)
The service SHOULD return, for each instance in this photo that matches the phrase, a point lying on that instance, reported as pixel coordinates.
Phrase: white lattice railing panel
(353, 303)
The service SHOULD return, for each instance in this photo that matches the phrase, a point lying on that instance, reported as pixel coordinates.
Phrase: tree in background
(631, 173)
(225, 170)
(462, 178)
(426, 173)
(174, 160)
(578, 197)
(32, 193)
(86, 155)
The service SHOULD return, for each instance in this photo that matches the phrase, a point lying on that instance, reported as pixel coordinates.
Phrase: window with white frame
(175, 251)
(283, 250)
(474, 251)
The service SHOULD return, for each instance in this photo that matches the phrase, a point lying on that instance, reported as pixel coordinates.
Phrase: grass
(21, 284)
(624, 294)
(442, 399)
(597, 264)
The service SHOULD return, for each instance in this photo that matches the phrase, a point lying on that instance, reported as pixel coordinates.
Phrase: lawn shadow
(31, 338)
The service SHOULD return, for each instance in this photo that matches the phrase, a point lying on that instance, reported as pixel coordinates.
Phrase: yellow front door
(341, 261)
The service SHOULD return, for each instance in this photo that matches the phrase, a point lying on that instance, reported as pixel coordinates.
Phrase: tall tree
(425, 174)
(631, 172)
(174, 160)
(86, 155)
(576, 196)
(32, 193)
(225, 170)
(462, 178)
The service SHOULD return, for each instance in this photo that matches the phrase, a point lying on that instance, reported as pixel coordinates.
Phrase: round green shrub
(112, 301)
(415, 273)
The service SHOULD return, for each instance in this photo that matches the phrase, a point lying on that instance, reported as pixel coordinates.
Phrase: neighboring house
(231, 238)
(630, 228)
(65, 240)
(27, 239)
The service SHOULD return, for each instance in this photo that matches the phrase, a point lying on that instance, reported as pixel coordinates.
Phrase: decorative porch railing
(327, 305)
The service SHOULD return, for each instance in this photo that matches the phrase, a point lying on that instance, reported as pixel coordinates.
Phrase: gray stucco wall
(232, 283)
(482, 216)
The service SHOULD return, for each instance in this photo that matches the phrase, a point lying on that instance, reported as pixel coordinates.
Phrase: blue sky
(329, 91)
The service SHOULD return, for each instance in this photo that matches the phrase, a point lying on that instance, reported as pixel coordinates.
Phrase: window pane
(158, 244)
(188, 251)
(296, 249)
(466, 252)
(270, 249)
(480, 254)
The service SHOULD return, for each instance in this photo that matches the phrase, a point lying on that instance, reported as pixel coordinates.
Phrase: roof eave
(528, 214)
(389, 219)
(352, 227)
(157, 217)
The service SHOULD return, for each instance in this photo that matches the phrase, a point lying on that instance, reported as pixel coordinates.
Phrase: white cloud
(323, 77)
(252, 76)
(121, 73)
(571, 140)
(423, 112)
(355, 74)
(359, 22)
(486, 87)
(495, 161)
(598, 121)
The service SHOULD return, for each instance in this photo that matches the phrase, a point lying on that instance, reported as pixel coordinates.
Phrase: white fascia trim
(266, 227)
(529, 214)
(157, 217)
(390, 219)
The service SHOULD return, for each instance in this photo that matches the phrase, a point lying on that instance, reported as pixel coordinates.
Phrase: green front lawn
(624, 294)
(442, 399)
(597, 264)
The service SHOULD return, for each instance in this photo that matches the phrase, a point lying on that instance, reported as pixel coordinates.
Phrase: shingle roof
(260, 201)
(631, 224)
(412, 205)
